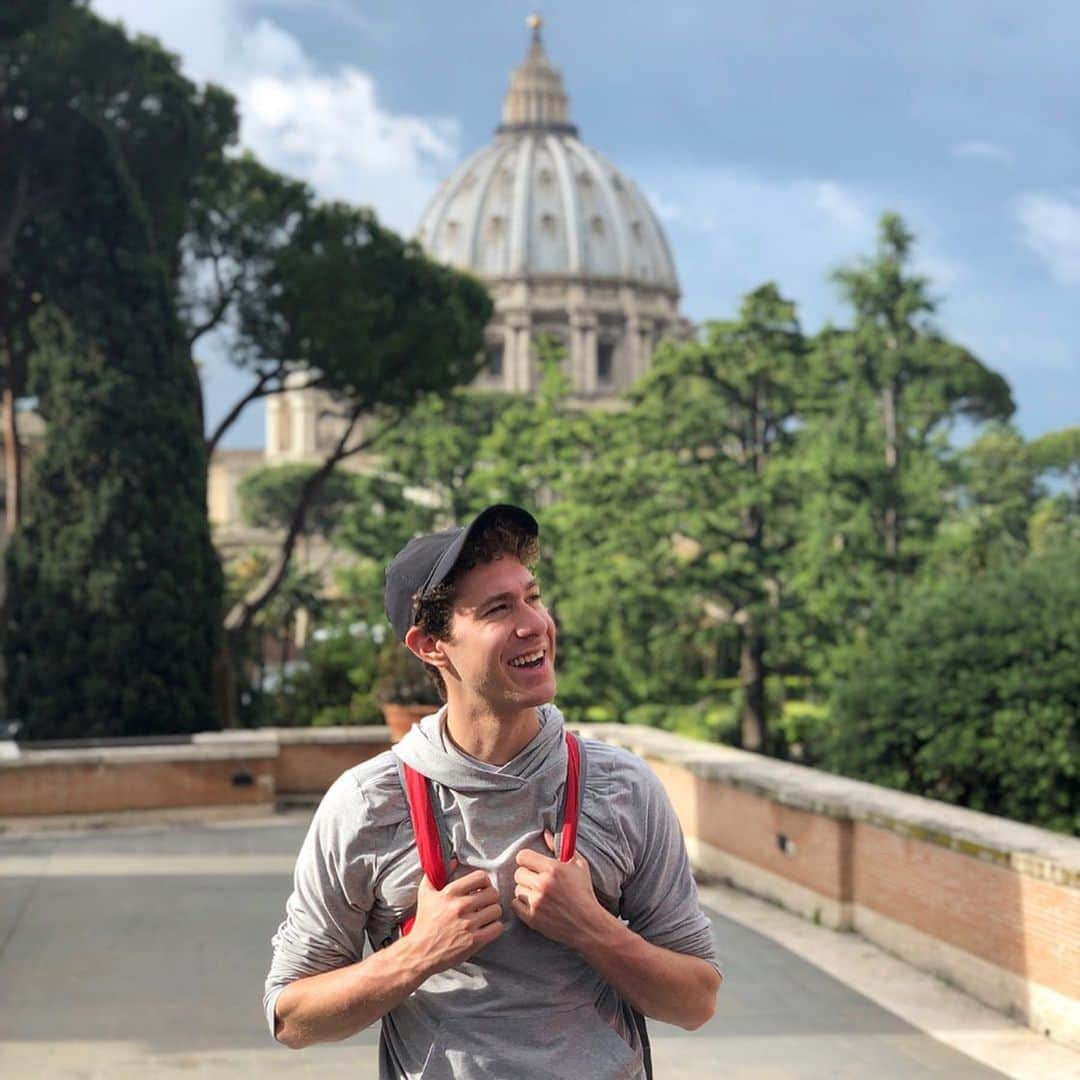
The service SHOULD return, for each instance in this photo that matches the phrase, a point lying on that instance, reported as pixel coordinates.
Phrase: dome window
(546, 177)
(597, 225)
(585, 180)
(616, 182)
(507, 177)
(495, 226)
(548, 222)
(635, 228)
(452, 231)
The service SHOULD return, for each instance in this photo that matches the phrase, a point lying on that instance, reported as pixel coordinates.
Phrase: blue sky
(768, 136)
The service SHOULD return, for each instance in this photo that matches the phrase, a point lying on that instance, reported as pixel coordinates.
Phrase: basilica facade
(567, 245)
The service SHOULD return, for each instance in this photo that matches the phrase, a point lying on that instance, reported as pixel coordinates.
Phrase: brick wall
(991, 905)
(217, 769)
(118, 780)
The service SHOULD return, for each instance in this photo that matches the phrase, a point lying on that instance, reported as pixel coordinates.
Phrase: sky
(769, 137)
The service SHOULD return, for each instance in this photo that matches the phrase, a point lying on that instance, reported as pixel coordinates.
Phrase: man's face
(502, 640)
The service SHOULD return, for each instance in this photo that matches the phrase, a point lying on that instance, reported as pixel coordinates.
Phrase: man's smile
(530, 659)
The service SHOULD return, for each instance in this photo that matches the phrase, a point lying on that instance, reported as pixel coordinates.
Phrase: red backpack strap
(426, 830)
(571, 798)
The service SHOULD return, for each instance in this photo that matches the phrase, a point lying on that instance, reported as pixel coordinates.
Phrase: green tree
(1055, 519)
(684, 511)
(114, 588)
(113, 584)
(1057, 455)
(535, 441)
(971, 694)
(241, 216)
(76, 96)
(440, 449)
(878, 467)
(268, 498)
(987, 523)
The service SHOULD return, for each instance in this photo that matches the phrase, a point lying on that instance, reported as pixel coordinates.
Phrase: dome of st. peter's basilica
(565, 242)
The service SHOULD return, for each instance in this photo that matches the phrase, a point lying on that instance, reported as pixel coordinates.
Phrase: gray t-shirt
(523, 1006)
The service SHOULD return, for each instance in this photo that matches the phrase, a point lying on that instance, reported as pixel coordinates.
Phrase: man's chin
(541, 695)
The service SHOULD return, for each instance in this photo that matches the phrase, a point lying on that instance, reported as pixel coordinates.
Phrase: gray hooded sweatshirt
(523, 1006)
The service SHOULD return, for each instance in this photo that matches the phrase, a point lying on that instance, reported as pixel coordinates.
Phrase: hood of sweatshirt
(541, 763)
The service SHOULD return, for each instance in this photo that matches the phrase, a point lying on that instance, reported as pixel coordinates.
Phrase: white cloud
(325, 126)
(734, 229)
(1050, 227)
(843, 207)
(982, 151)
(667, 210)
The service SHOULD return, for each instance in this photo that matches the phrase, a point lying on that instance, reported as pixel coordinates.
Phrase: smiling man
(522, 965)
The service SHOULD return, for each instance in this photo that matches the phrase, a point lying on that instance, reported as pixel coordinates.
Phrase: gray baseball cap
(426, 561)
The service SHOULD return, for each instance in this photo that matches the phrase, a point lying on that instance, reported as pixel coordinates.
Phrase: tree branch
(240, 617)
(257, 391)
(225, 298)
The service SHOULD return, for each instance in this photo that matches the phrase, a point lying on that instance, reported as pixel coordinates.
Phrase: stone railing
(990, 905)
(215, 769)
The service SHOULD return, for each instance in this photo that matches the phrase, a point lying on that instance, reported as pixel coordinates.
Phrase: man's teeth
(529, 658)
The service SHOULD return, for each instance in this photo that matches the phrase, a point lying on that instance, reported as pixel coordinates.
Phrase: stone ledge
(1025, 849)
(245, 749)
(371, 733)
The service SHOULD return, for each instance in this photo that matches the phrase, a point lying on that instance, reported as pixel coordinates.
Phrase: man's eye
(535, 598)
(497, 607)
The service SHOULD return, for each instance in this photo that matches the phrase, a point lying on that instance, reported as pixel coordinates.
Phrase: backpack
(433, 847)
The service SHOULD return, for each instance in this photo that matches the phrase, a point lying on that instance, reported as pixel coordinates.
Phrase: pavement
(141, 952)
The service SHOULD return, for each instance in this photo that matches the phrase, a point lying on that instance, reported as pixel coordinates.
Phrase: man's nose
(531, 622)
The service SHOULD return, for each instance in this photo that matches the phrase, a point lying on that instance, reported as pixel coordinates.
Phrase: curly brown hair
(498, 538)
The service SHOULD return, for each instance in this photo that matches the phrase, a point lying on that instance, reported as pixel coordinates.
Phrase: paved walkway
(141, 953)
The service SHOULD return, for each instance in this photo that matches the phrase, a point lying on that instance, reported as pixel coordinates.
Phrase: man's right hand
(451, 924)
(455, 922)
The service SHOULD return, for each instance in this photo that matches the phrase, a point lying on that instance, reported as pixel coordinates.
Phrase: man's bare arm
(557, 900)
(450, 926)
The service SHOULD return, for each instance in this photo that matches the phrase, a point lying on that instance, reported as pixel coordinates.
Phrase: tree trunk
(892, 455)
(225, 684)
(754, 719)
(12, 462)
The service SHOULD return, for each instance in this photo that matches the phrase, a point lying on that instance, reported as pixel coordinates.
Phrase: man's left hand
(554, 898)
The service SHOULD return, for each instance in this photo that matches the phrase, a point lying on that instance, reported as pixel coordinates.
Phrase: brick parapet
(990, 905)
(1023, 848)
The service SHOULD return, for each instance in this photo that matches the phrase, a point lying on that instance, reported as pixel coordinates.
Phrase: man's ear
(425, 647)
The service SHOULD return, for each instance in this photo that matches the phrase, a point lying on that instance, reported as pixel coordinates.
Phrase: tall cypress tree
(113, 601)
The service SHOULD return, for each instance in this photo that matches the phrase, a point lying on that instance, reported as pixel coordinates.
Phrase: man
(522, 966)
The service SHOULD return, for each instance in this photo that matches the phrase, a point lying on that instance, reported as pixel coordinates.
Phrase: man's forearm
(336, 1004)
(658, 982)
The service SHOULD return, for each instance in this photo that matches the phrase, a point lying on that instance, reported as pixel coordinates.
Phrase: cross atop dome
(536, 100)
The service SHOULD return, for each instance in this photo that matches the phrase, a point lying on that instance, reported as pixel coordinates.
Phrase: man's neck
(490, 738)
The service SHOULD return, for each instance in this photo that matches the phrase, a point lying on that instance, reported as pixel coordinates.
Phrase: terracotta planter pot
(399, 718)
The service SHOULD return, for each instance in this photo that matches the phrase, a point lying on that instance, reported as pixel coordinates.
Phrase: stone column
(516, 357)
(582, 349)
